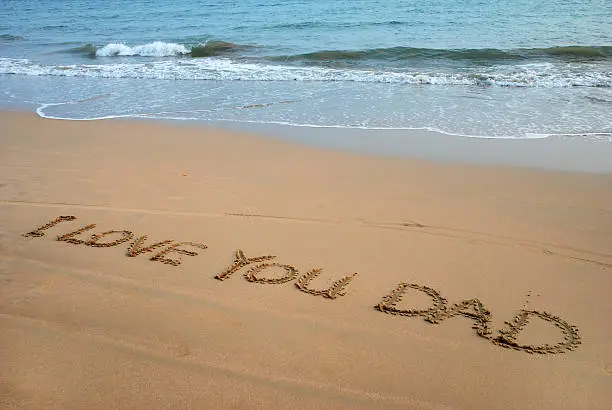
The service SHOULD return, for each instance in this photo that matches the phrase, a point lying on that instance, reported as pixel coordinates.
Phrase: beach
(421, 264)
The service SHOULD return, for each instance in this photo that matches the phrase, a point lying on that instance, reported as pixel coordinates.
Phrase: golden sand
(146, 265)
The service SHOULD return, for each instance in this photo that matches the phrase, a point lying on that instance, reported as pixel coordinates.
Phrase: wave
(578, 51)
(216, 48)
(159, 49)
(155, 49)
(10, 37)
(87, 49)
(487, 55)
(305, 25)
(392, 55)
(298, 26)
(529, 75)
(598, 100)
(54, 26)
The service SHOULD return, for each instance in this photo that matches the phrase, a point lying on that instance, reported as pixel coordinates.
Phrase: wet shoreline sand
(88, 325)
(571, 153)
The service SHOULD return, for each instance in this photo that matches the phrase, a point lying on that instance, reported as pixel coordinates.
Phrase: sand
(91, 326)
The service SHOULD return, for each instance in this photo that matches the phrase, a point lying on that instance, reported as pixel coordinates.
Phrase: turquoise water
(511, 69)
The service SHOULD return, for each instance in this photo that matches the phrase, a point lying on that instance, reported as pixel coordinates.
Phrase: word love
(257, 265)
(136, 248)
(475, 310)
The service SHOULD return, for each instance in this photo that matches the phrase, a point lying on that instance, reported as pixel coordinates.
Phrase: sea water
(480, 68)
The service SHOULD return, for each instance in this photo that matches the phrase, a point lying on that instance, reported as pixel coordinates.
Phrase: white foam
(225, 69)
(358, 127)
(41, 112)
(155, 49)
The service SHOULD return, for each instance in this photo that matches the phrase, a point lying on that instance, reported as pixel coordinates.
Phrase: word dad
(472, 308)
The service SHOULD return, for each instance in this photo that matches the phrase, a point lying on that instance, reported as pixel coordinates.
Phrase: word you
(472, 309)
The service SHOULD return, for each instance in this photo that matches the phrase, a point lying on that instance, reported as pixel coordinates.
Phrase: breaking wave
(529, 75)
(155, 49)
(485, 56)
(162, 49)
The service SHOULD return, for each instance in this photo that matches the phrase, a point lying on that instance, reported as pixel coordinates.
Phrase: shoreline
(554, 153)
(92, 319)
(569, 153)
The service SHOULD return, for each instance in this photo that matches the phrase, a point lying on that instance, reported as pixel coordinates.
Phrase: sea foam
(214, 68)
(155, 49)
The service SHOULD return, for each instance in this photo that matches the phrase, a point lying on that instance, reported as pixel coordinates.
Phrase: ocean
(477, 68)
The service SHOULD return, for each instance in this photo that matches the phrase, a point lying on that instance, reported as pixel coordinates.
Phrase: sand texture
(149, 265)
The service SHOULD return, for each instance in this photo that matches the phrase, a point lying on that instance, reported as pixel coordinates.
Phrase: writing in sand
(439, 310)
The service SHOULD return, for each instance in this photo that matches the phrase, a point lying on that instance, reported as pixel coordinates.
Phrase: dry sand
(89, 327)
